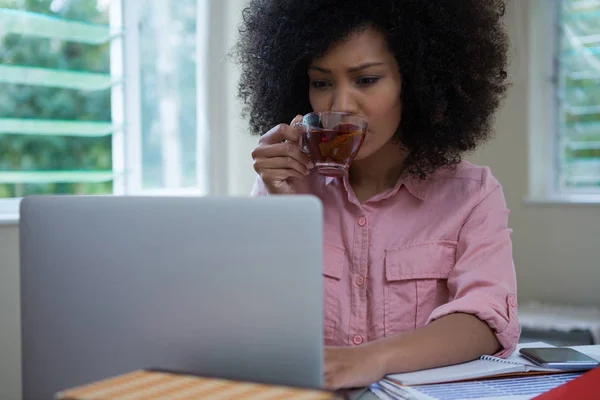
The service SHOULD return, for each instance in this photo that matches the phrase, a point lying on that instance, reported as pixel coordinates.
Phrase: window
(102, 97)
(577, 79)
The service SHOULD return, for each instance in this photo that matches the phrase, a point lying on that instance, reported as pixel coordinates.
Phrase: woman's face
(360, 75)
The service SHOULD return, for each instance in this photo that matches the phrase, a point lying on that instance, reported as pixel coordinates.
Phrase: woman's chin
(362, 154)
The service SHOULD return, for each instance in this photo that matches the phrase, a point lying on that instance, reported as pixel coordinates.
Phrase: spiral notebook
(483, 367)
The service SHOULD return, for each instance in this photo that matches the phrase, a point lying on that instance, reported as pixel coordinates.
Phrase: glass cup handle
(303, 145)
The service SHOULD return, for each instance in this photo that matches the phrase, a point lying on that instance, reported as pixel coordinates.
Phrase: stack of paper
(514, 388)
(515, 377)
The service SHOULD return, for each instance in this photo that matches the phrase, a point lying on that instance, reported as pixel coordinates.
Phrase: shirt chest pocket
(415, 284)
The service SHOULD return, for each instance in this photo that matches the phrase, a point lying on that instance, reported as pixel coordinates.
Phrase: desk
(593, 351)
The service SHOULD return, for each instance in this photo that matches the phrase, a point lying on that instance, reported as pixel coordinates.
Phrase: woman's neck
(377, 173)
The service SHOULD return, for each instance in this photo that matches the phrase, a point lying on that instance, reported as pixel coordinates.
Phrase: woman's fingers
(282, 149)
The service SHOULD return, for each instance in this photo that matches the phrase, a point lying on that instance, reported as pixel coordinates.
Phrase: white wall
(231, 143)
(10, 342)
(241, 173)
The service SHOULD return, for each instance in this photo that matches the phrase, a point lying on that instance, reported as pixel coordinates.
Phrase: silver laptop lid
(228, 287)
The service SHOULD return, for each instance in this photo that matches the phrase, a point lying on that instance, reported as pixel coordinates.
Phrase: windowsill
(9, 211)
(563, 199)
(9, 219)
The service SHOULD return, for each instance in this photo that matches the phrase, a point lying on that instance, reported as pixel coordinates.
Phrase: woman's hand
(353, 367)
(278, 159)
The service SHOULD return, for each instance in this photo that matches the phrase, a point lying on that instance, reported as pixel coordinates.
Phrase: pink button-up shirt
(415, 253)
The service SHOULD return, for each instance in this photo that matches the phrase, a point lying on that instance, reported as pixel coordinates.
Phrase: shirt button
(360, 280)
(357, 340)
(362, 221)
(513, 301)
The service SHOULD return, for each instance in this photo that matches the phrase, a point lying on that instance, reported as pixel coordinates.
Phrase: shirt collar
(415, 186)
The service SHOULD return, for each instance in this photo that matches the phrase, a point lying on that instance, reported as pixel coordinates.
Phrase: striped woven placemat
(151, 385)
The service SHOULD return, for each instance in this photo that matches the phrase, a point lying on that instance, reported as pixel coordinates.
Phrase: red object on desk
(586, 387)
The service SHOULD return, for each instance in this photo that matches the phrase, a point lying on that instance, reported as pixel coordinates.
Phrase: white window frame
(126, 108)
(544, 134)
(9, 211)
(117, 96)
(127, 152)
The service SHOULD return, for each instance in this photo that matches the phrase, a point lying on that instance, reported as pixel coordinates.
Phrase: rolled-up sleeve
(483, 281)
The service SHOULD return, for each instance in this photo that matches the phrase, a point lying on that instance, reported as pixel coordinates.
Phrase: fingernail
(311, 165)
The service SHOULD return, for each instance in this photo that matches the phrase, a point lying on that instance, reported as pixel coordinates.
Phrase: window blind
(578, 95)
(55, 98)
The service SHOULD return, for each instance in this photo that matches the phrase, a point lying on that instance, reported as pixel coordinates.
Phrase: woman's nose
(344, 101)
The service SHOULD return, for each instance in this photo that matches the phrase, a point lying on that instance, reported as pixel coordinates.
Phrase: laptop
(216, 286)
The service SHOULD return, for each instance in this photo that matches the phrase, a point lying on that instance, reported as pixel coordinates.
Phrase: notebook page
(484, 367)
(471, 370)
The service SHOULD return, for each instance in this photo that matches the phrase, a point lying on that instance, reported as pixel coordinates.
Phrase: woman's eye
(319, 84)
(367, 80)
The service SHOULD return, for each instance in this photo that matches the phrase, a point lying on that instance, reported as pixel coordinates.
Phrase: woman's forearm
(452, 339)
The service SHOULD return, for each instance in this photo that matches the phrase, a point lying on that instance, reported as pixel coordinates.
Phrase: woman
(418, 268)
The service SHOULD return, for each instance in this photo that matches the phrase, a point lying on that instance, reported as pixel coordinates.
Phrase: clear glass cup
(332, 140)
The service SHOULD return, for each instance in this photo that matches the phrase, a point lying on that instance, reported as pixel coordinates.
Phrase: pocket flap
(334, 258)
(432, 260)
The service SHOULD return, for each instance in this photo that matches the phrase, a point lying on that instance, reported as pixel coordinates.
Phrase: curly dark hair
(452, 56)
